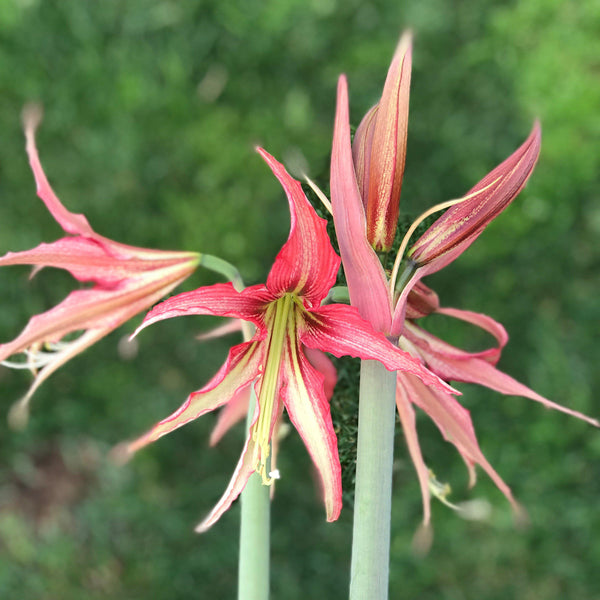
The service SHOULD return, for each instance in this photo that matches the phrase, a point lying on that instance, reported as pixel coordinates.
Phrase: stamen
(320, 195)
(261, 432)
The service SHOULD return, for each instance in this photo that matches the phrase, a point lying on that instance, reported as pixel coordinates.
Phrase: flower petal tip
(202, 527)
(520, 515)
(18, 415)
(121, 454)
(422, 540)
(31, 116)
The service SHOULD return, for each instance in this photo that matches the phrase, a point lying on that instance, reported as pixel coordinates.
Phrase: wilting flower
(395, 309)
(289, 321)
(127, 280)
(454, 364)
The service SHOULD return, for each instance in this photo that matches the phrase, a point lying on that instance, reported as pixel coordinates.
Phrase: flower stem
(373, 488)
(253, 570)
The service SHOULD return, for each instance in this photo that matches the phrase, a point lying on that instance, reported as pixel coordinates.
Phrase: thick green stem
(373, 488)
(253, 572)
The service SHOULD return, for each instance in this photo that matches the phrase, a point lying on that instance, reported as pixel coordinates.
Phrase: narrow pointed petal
(238, 372)
(220, 299)
(231, 326)
(388, 151)
(307, 263)
(492, 355)
(454, 421)
(243, 470)
(70, 222)
(366, 279)
(409, 426)
(94, 308)
(464, 222)
(340, 330)
(362, 145)
(422, 301)
(308, 409)
(88, 260)
(481, 372)
(319, 361)
(231, 414)
(437, 350)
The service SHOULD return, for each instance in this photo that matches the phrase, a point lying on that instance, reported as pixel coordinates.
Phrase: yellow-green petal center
(279, 315)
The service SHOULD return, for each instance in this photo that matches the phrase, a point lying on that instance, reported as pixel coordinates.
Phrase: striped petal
(366, 278)
(492, 355)
(361, 152)
(340, 330)
(307, 264)
(482, 373)
(243, 470)
(96, 308)
(454, 421)
(238, 372)
(409, 426)
(464, 222)
(319, 361)
(70, 222)
(388, 150)
(88, 260)
(220, 299)
(308, 409)
(231, 414)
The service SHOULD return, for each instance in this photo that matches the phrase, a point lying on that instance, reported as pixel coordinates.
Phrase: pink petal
(482, 321)
(307, 263)
(454, 422)
(231, 414)
(430, 345)
(19, 412)
(319, 361)
(361, 152)
(409, 426)
(70, 222)
(220, 299)
(88, 260)
(389, 150)
(231, 326)
(421, 301)
(481, 372)
(340, 330)
(463, 223)
(366, 279)
(238, 372)
(94, 308)
(308, 409)
(243, 470)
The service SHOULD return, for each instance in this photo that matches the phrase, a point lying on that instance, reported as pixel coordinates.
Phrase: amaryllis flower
(127, 280)
(371, 172)
(289, 321)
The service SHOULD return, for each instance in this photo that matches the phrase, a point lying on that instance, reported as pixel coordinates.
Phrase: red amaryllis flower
(127, 280)
(289, 321)
(395, 309)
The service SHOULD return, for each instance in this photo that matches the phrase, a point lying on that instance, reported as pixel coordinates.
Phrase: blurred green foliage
(152, 110)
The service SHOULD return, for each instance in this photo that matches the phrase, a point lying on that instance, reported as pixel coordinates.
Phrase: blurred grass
(152, 110)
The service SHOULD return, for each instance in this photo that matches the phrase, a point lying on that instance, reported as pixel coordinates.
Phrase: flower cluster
(282, 366)
(365, 192)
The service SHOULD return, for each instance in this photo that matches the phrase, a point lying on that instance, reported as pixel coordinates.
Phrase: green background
(152, 109)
